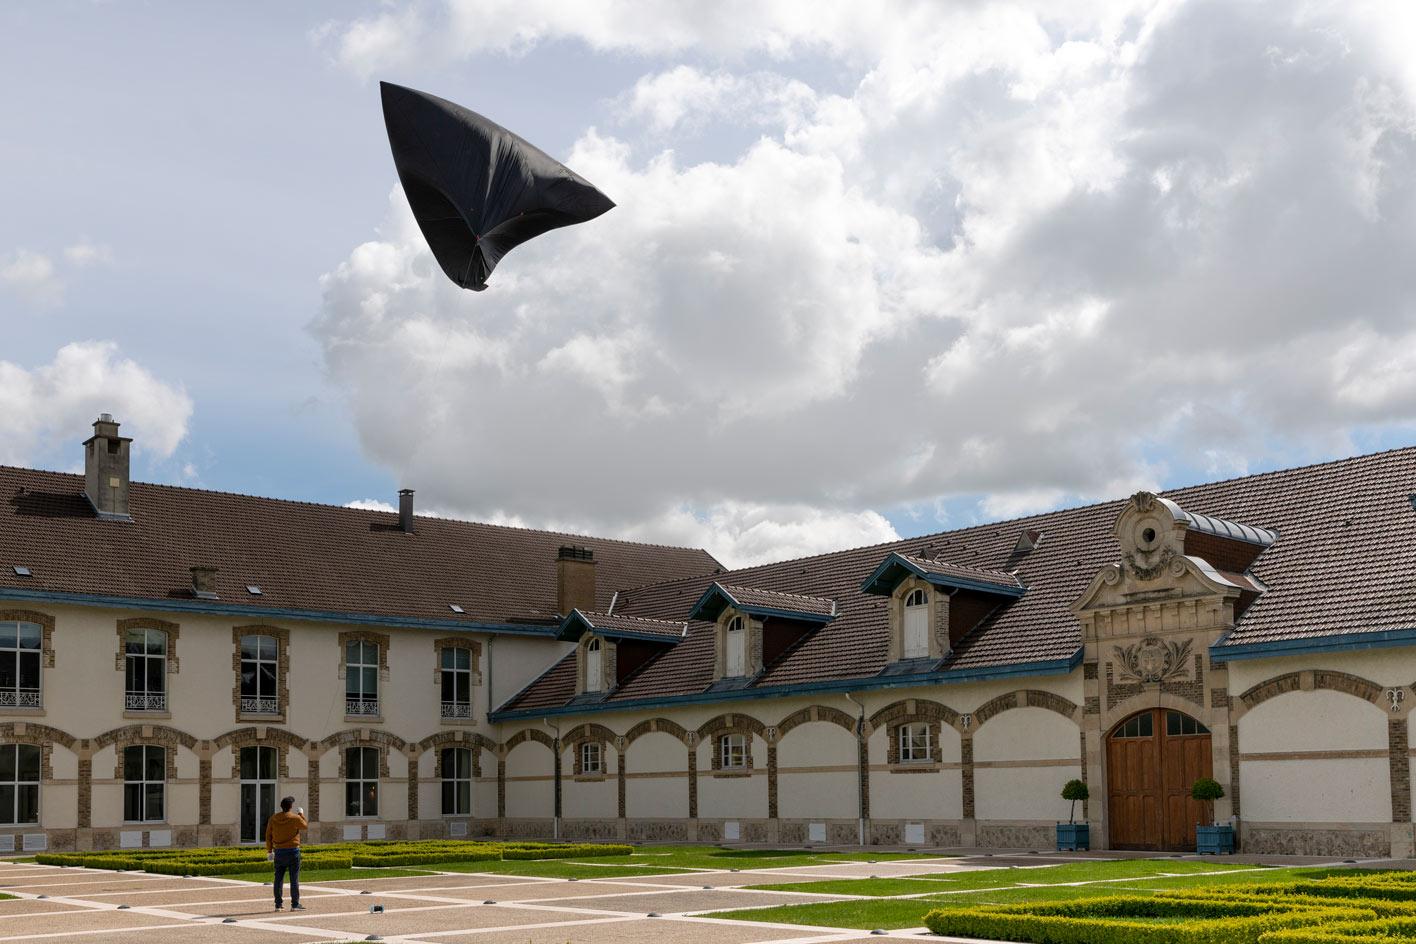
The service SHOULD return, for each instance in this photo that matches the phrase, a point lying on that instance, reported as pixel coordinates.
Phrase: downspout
(556, 819)
(860, 768)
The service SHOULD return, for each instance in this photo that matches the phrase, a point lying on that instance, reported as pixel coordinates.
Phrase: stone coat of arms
(1152, 659)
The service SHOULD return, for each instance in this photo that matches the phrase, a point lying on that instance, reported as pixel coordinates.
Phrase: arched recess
(45, 738)
(735, 792)
(537, 794)
(159, 735)
(280, 738)
(654, 750)
(934, 789)
(818, 763)
(592, 794)
(425, 763)
(359, 737)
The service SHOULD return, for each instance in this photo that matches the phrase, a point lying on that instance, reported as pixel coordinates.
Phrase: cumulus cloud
(1037, 253)
(41, 407)
(32, 276)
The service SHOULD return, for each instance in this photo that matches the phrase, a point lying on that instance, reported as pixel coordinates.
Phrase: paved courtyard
(58, 904)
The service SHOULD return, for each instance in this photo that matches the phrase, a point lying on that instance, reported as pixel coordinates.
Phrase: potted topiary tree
(1073, 835)
(1212, 838)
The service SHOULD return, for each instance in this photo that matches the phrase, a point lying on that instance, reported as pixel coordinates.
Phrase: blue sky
(869, 274)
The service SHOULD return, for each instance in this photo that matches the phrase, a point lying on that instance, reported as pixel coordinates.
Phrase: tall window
(735, 658)
(361, 678)
(457, 683)
(19, 784)
(258, 768)
(456, 781)
(258, 675)
(361, 781)
(594, 667)
(146, 652)
(20, 645)
(914, 743)
(144, 784)
(592, 758)
(916, 641)
(733, 748)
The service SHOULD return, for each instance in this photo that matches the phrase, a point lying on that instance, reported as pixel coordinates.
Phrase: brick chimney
(575, 579)
(204, 583)
(106, 470)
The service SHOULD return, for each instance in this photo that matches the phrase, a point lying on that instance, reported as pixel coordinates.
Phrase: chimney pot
(405, 510)
(106, 470)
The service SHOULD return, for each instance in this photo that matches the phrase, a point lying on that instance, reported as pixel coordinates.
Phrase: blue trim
(1379, 639)
(878, 585)
(951, 677)
(206, 608)
(715, 590)
(576, 617)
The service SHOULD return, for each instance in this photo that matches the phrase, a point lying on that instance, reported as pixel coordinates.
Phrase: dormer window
(916, 624)
(735, 648)
(594, 666)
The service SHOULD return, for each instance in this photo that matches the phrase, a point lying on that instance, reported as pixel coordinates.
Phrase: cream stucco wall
(656, 784)
(817, 769)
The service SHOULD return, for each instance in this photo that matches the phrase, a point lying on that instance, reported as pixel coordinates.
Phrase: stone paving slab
(21, 907)
(675, 902)
(728, 879)
(446, 918)
(189, 933)
(263, 907)
(442, 879)
(85, 920)
(642, 931)
(523, 892)
(176, 897)
(68, 884)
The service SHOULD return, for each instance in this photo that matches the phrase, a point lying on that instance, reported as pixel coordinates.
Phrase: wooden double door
(1152, 758)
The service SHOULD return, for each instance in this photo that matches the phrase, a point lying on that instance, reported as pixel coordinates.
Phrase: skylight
(253, 590)
(454, 607)
(22, 571)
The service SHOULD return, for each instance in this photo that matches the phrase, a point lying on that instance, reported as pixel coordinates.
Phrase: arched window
(594, 666)
(735, 648)
(456, 781)
(361, 677)
(258, 675)
(915, 643)
(145, 655)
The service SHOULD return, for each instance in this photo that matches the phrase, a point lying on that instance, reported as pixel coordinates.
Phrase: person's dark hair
(286, 803)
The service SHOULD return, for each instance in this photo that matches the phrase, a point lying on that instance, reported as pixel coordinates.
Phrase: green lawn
(1004, 886)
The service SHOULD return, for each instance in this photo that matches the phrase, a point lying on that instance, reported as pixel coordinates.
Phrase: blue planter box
(1073, 836)
(1214, 840)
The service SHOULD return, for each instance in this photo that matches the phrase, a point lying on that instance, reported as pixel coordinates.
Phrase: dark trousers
(287, 860)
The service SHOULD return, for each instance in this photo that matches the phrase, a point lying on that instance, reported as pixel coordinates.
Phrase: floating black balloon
(477, 190)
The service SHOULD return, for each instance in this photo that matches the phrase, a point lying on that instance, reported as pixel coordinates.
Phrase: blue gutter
(1379, 639)
(207, 608)
(952, 677)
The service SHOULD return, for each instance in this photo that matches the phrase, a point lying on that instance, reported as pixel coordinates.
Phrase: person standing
(282, 839)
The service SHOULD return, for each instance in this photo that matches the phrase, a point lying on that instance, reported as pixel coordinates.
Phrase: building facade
(172, 661)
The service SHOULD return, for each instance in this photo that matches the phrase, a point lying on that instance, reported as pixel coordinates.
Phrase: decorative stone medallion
(1152, 659)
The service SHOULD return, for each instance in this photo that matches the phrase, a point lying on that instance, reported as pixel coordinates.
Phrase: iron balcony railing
(361, 706)
(456, 709)
(19, 699)
(259, 706)
(145, 701)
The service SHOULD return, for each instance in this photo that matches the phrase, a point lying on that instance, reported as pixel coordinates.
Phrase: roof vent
(253, 590)
(204, 583)
(405, 510)
(1028, 541)
(22, 571)
(455, 608)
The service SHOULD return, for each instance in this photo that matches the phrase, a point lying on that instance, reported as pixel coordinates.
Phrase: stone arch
(362, 737)
(1317, 680)
(661, 725)
(159, 734)
(528, 734)
(1025, 698)
(732, 722)
(1137, 703)
(249, 737)
(456, 739)
(172, 630)
(815, 713)
(41, 736)
(914, 709)
(590, 731)
(44, 621)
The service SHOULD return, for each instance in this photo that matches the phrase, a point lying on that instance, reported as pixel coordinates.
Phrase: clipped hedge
(1281, 894)
(1382, 931)
(568, 851)
(1133, 920)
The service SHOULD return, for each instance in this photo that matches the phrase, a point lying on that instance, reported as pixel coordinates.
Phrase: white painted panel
(916, 632)
(1312, 721)
(732, 831)
(7, 843)
(353, 833)
(457, 830)
(130, 839)
(914, 833)
(159, 838)
(375, 831)
(33, 842)
(816, 832)
(1028, 734)
(1316, 791)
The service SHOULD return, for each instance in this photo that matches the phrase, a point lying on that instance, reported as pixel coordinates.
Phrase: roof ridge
(373, 511)
(949, 563)
(779, 593)
(639, 619)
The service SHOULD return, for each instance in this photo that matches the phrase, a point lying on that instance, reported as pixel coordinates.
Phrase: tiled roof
(624, 626)
(762, 602)
(1343, 564)
(303, 556)
(959, 575)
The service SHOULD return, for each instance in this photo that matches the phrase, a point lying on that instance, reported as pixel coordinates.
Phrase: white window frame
(453, 674)
(11, 816)
(912, 751)
(459, 783)
(735, 648)
(915, 621)
(594, 666)
(592, 759)
(143, 783)
(18, 696)
(267, 771)
(363, 780)
(147, 698)
(359, 701)
(733, 752)
(261, 702)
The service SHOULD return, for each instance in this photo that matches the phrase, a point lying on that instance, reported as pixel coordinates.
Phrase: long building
(173, 660)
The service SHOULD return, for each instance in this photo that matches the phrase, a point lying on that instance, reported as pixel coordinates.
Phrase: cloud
(41, 407)
(32, 276)
(1028, 257)
(85, 253)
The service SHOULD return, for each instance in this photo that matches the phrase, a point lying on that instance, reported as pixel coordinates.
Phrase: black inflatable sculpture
(477, 190)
